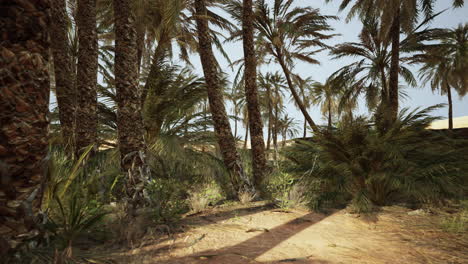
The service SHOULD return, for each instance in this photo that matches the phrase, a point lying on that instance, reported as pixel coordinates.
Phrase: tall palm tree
(222, 127)
(445, 64)
(369, 75)
(271, 86)
(251, 93)
(326, 95)
(288, 34)
(86, 85)
(24, 106)
(64, 75)
(129, 117)
(396, 16)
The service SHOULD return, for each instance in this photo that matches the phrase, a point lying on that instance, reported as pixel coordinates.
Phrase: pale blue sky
(417, 97)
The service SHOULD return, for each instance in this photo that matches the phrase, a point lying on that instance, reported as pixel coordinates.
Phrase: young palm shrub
(373, 167)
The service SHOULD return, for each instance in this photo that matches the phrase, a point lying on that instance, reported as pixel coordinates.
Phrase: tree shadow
(203, 219)
(250, 249)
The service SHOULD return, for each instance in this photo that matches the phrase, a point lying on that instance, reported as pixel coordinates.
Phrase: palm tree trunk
(235, 123)
(329, 116)
(222, 127)
(275, 132)
(296, 97)
(86, 112)
(24, 107)
(251, 94)
(450, 107)
(384, 93)
(270, 117)
(305, 128)
(129, 119)
(64, 75)
(246, 138)
(394, 66)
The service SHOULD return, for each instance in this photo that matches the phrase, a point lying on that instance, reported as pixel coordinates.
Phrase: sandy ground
(258, 233)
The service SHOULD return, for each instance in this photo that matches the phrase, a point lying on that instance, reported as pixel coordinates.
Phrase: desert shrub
(286, 190)
(203, 196)
(167, 200)
(369, 166)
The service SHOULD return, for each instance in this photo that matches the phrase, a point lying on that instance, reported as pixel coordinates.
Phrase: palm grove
(150, 128)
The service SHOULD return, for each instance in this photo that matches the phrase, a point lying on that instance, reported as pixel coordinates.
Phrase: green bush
(368, 165)
(167, 199)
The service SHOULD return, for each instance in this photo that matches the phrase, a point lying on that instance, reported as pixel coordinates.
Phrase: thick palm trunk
(222, 127)
(295, 95)
(64, 74)
(394, 67)
(129, 118)
(251, 93)
(24, 106)
(86, 112)
(450, 108)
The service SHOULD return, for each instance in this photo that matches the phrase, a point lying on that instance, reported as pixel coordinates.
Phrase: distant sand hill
(458, 122)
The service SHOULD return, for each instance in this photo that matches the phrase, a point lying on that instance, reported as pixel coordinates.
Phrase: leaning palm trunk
(129, 118)
(294, 93)
(394, 67)
(251, 94)
(86, 112)
(24, 106)
(222, 127)
(64, 75)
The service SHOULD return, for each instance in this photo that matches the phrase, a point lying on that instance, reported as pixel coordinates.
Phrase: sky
(421, 96)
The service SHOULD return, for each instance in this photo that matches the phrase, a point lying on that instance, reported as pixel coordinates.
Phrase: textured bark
(394, 67)
(294, 93)
(86, 112)
(450, 107)
(222, 127)
(129, 118)
(24, 106)
(251, 94)
(329, 116)
(64, 74)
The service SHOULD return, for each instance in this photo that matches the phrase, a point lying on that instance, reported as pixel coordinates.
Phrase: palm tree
(24, 106)
(327, 96)
(129, 117)
(445, 64)
(272, 86)
(222, 127)
(251, 93)
(86, 85)
(396, 16)
(368, 75)
(64, 75)
(288, 34)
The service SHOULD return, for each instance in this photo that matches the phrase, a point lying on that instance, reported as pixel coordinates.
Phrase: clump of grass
(246, 197)
(457, 223)
(200, 199)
